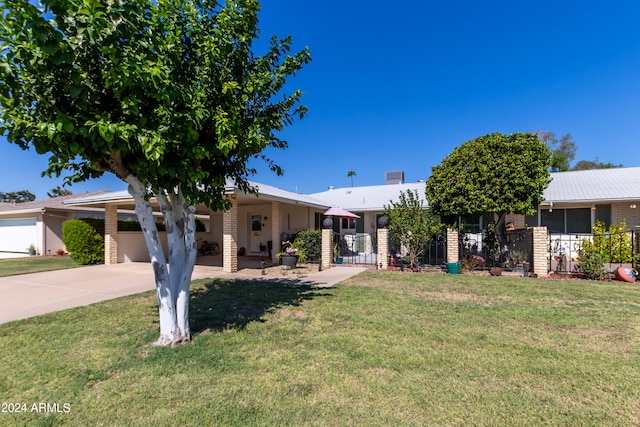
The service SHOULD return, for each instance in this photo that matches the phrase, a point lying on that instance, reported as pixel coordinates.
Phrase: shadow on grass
(230, 304)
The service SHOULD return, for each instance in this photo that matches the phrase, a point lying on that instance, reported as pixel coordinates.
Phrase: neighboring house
(38, 223)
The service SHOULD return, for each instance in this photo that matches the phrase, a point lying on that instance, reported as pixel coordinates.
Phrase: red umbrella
(336, 211)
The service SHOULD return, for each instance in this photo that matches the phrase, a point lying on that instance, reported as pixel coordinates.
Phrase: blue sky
(399, 86)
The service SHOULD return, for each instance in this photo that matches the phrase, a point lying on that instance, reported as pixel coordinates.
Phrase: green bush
(615, 244)
(310, 241)
(84, 242)
(591, 262)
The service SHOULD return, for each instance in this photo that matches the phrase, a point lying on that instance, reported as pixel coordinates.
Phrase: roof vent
(394, 177)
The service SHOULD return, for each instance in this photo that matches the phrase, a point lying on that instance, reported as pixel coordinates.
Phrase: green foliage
(410, 225)
(310, 241)
(615, 244)
(589, 165)
(84, 243)
(168, 91)
(17, 196)
(563, 150)
(591, 262)
(494, 173)
(59, 191)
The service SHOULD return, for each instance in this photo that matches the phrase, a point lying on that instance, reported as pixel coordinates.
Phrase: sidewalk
(34, 294)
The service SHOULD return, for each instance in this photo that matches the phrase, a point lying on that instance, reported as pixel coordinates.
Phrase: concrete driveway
(34, 294)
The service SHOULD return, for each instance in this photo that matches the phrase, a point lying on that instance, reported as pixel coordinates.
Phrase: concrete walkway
(34, 294)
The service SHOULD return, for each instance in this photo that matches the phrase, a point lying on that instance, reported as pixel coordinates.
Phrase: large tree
(493, 174)
(411, 225)
(563, 150)
(168, 95)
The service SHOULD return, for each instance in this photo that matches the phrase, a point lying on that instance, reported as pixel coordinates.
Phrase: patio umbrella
(336, 211)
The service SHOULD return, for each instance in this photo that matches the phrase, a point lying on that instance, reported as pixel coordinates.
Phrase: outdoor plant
(84, 243)
(591, 262)
(293, 249)
(410, 225)
(615, 244)
(311, 242)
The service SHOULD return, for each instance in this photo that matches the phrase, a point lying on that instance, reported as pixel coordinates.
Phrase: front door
(257, 234)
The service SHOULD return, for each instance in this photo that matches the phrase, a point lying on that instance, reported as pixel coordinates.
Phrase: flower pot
(289, 260)
(453, 268)
(338, 260)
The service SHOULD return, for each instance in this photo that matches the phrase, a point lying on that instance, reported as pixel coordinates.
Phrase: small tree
(410, 225)
(167, 95)
(493, 174)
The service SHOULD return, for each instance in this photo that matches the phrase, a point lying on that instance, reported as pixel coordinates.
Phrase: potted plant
(292, 254)
(31, 249)
(336, 254)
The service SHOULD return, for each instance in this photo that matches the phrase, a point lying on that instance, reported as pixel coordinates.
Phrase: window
(348, 223)
(576, 220)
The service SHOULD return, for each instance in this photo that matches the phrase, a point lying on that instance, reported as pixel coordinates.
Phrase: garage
(16, 235)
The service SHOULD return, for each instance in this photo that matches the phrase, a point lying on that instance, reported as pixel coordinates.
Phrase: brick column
(383, 248)
(230, 238)
(276, 229)
(327, 247)
(111, 234)
(540, 240)
(453, 251)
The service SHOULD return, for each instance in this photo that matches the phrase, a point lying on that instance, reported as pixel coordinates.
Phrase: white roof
(597, 185)
(370, 198)
(266, 192)
(590, 186)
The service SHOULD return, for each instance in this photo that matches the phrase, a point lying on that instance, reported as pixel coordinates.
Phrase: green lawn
(35, 264)
(380, 349)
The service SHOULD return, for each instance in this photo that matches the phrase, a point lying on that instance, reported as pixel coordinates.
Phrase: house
(39, 223)
(572, 203)
(255, 225)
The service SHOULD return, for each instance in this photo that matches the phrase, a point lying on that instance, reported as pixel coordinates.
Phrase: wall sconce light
(550, 206)
(593, 208)
(632, 206)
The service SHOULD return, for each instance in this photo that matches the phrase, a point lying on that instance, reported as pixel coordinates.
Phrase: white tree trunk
(172, 281)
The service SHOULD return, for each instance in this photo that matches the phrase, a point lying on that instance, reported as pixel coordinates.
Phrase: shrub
(84, 243)
(310, 241)
(591, 262)
(615, 244)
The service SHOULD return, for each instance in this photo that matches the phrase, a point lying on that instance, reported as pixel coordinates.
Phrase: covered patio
(249, 233)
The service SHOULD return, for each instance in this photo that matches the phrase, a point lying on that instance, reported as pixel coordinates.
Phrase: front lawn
(380, 349)
(35, 264)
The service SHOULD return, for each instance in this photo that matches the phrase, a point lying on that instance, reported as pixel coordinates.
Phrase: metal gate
(357, 248)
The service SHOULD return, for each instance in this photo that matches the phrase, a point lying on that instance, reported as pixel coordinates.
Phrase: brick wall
(453, 254)
(540, 240)
(111, 234)
(327, 247)
(230, 238)
(383, 248)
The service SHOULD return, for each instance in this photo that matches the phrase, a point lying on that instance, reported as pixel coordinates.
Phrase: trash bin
(453, 268)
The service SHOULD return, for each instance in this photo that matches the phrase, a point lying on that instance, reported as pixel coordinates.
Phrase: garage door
(17, 234)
